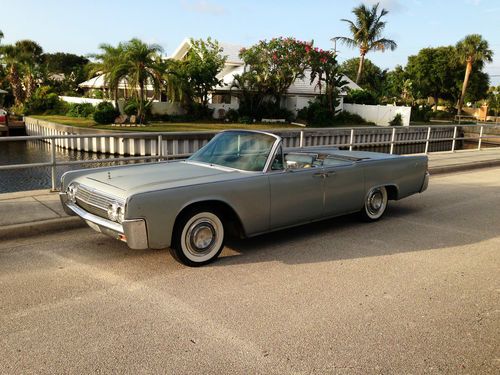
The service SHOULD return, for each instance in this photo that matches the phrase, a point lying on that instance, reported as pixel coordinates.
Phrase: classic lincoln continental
(242, 182)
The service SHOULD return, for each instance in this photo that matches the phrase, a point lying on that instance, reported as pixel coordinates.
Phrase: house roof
(232, 51)
(99, 82)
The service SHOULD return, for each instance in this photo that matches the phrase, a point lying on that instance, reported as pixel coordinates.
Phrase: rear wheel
(198, 238)
(375, 204)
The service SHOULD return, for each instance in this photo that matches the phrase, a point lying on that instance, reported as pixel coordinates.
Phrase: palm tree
(142, 66)
(137, 64)
(473, 49)
(110, 63)
(366, 33)
(11, 57)
(30, 54)
(175, 81)
(22, 61)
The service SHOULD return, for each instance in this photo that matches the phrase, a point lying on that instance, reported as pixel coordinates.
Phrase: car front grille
(94, 201)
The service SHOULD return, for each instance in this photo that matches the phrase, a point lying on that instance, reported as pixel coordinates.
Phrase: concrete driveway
(417, 292)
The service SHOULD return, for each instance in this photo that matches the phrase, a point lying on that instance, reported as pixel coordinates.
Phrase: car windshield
(237, 149)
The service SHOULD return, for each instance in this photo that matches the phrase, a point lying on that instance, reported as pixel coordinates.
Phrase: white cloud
(204, 7)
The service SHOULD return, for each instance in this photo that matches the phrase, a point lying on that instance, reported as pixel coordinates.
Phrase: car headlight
(71, 192)
(116, 212)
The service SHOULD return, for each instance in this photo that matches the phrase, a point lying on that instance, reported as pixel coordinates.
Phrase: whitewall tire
(199, 238)
(375, 204)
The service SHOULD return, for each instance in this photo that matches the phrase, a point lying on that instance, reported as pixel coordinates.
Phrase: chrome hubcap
(376, 201)
(201, 236)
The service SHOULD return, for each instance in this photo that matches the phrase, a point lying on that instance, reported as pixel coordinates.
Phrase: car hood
(143, 177)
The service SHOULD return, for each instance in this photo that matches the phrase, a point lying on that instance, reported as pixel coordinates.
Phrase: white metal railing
(159, 138)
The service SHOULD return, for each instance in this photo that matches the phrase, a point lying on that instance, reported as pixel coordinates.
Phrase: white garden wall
(379, 114)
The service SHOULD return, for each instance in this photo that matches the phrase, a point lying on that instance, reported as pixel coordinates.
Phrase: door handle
(319, 175)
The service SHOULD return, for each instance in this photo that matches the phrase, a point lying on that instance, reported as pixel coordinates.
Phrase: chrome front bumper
(132, 231)
(425, 183)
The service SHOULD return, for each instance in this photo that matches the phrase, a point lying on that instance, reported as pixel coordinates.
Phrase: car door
(296, 195)
(344, 186)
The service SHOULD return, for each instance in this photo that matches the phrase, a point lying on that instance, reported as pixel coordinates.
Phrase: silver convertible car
(241, 182)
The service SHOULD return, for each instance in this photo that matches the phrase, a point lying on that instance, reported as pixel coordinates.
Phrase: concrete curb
(38, 227)
(464, 167)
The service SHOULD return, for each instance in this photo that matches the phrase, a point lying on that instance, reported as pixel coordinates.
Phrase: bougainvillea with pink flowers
(272, 66)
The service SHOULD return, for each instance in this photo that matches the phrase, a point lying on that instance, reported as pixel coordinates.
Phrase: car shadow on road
(414, 224)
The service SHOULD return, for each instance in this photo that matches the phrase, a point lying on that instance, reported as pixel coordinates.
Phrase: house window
(221, 99)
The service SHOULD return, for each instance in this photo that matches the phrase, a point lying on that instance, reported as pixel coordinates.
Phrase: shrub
(361, 97)
(348, 118)
(245, 120)
(105, 113)
(43, 100)
(422, 113)
(80, 110)
(316, 114)
(442, 115)
(130, 108)
(232, 115)
(397, 120)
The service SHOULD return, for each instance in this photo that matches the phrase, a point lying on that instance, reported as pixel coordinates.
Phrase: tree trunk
(436, 98)
(468, 69)
(140, 111)
(360, 67)
(30, 86)
(15, 82)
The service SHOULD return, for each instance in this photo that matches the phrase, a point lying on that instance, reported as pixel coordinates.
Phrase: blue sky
(79, 26)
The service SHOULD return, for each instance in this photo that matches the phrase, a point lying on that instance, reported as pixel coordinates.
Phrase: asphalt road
(417, 292)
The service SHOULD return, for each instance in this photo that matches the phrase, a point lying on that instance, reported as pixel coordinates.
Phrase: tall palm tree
(11, 57)
(366, 33)
(22, 61)
(110, 63)
(473, 49)
(142, 66)
(30, 54)
(175, 81)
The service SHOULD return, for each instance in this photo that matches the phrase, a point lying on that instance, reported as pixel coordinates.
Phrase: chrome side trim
(425, 184)
(272, 154)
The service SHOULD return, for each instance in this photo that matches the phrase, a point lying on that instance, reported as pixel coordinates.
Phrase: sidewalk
(31, 212)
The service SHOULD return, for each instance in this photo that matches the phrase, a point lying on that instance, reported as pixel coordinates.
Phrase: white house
(222, 99)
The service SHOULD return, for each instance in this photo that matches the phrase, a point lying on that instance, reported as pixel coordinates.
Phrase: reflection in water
(24, 152)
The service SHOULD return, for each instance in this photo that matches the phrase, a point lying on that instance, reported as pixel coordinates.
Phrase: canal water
(24, 152)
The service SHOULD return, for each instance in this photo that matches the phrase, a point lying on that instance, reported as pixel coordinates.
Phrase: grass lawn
(164, 126)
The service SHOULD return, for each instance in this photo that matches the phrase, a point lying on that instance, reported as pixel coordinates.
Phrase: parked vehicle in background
(3, 116)
(241, 182)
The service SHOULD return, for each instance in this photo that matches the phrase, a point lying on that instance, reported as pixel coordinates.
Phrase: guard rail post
(454, 139)
(480, 138)
(427, 140)
(392, 140)
(53, 175)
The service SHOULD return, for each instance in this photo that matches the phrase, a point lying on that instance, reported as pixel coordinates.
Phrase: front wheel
(375, 204)
(198, 238)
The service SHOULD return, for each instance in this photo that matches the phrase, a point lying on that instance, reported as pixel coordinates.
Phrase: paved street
(417, 292)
